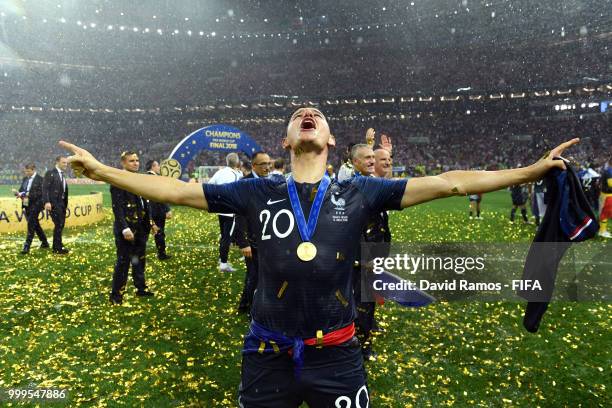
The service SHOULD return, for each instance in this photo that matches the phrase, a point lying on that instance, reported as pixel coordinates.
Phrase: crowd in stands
(422, 146)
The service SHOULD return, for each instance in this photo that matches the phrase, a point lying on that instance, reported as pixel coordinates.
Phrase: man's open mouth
(308, 124)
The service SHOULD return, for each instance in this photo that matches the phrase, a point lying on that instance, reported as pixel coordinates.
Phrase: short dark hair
(126, 154)
(29, 166)
(279, 164)
(149, 164)
(257, 153)
(58, 158)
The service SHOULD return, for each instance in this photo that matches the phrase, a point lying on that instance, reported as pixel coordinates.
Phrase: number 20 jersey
(294, 297)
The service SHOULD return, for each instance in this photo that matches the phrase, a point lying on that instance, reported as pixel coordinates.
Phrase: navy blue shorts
(331, 377)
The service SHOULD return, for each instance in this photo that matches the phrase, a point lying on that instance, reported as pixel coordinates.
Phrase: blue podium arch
(214, 137)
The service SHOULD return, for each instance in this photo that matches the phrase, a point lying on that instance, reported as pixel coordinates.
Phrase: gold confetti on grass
(182, 347)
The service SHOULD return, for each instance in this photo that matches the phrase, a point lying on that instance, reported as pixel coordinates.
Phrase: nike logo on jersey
(270, 202)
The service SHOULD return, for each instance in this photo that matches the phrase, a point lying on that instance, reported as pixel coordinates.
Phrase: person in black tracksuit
(159, 213)
(55, 199)
(131, 229)
(30, 193)
(246, 239)
(519, 196)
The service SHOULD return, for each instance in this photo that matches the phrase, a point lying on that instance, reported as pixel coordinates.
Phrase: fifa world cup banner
(82, 210)
(214, 137)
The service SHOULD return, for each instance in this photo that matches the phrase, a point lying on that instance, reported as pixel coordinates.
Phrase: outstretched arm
(422, 189)
(160, 189)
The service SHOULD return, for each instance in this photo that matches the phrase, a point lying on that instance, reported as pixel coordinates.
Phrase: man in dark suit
(55, 197)
(248, 244)
(160, 212)
(131, 229)
(30, 193)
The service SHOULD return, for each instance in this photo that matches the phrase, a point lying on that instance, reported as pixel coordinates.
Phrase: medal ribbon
(307, 230)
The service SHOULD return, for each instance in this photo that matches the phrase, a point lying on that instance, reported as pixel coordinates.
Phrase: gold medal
(306, 251)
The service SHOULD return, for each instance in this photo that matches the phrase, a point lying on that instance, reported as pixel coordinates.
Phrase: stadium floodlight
(407, 99)
(475, 97)
(449, 98)
(122, 28)
(62, 20)
(541, 93)
(159, 31)
(517, 95)
(109, 27)
(36, 108)
(560, 92)
(350, 101)
(213, 34)
(261, 105)
(585, 89)
(425, 98)
(189, 33)
(497, 96)
(334, 102)
(373, 100)
(387, 100)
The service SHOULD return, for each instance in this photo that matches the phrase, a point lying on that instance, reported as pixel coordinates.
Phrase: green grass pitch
(182, 347)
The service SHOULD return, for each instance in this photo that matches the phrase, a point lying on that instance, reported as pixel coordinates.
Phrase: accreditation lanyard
(307, 230)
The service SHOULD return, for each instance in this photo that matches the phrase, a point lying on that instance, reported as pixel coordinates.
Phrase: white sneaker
(605, 234)
(226, 267)
(479, 218)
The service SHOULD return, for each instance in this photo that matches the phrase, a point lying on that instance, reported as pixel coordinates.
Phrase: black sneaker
(44, 245)
(25, 251)
(115, 299)
(163, 257)
(144, 293)
(61, 251)
(376, 328)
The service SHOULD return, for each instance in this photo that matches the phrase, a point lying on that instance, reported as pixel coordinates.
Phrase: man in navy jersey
(301, 346)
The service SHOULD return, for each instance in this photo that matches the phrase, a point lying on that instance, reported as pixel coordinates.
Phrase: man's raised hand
(556, 153)
(370, 137)
(82, 162)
